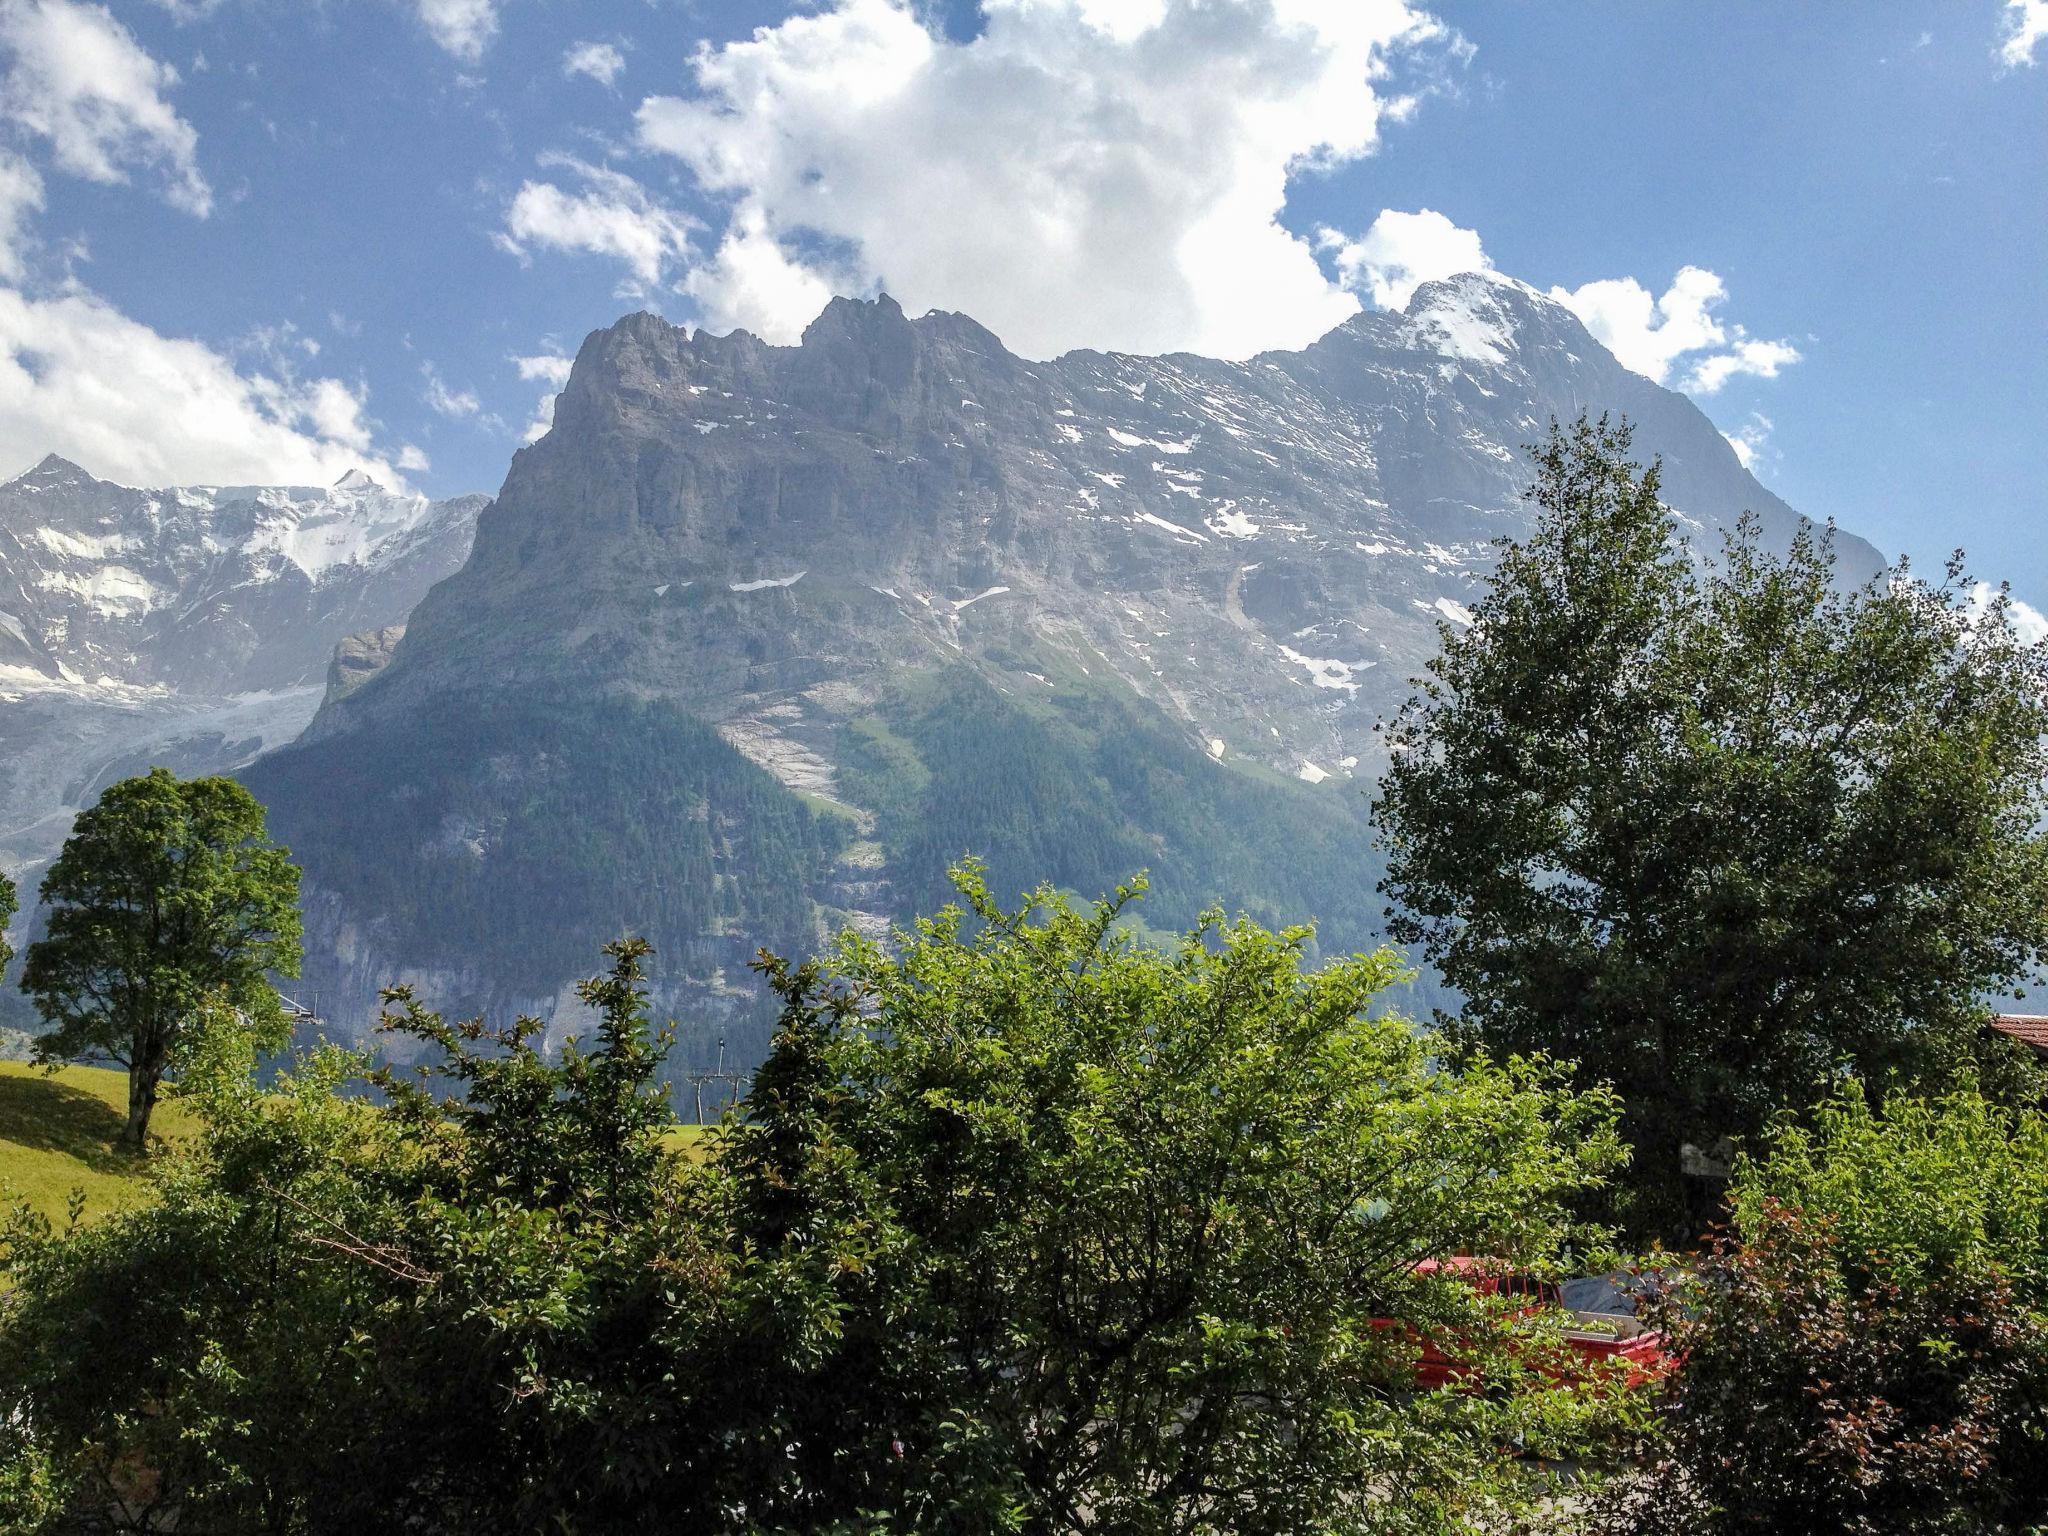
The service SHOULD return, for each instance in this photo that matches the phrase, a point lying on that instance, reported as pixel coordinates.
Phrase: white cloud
(2027, 621)
(546, 368)
(1082, 172)
(79, 378)
(21, 194)
(1748, 355)
(446, 401)
(1749, 440)
(2026, 24)
(78, 78)
(413, 460)
(612, 216)
(601, 61)
(1652, 334)
(463, 28)
(1401, 252)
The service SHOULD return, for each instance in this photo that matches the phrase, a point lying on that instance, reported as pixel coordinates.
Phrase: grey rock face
(769, 537)
(358, 658)
(1264, 549)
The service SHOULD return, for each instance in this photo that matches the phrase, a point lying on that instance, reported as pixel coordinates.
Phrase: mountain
(757, 638)
(210, 590)
(190, 626)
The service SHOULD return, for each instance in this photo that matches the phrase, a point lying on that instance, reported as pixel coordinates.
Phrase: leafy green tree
(1712, 832)
(166, 895)
(9, 905)
(1052, 1231)
(446, 1313)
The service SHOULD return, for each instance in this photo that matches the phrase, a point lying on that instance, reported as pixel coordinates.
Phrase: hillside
(57, 1134)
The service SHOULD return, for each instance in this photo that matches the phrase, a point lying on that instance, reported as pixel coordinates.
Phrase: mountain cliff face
(189, 626)
(924, 597)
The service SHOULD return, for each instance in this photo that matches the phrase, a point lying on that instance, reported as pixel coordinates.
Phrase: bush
(1865, 1350)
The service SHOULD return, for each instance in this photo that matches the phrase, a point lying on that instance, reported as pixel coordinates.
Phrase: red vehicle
(1599, 1323)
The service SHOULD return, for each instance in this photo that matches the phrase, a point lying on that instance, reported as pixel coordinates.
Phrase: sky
(271, 240)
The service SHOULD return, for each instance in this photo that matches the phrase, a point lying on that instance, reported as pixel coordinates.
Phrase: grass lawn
(57, 1134)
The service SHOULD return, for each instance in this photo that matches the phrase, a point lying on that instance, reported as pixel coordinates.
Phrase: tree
(1053, 1231)
(8, 907)
(452, 1311)
(167, 895)
(1712, 832)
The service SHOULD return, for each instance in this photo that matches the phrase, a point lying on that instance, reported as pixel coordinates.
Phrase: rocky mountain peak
(209, 588)
(53, 470)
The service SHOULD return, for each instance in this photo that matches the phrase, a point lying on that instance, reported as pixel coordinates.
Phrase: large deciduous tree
(168, 895)
(1713, 829)
(1048, 1230)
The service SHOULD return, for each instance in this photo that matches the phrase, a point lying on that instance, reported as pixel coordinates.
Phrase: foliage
(1027, 1228)
(1050, 1231)
(1922, 1187)
(1711, 833)
(9, 905)
(341, 1318)
(1865, 1347)
(168, 895)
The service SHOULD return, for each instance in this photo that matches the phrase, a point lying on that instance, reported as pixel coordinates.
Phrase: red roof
(2027, 1028)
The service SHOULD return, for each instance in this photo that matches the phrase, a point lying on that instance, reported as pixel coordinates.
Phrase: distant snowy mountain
(191, 626)
(207, 589)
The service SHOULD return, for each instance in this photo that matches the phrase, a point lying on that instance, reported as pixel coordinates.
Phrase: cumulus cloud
(601, 61)
(2026, 24)
(1749, 439)
(1748, 354)
(413, 460)
(1080, 173)
(463, 28)
(79, 378)
(2027, 621)
(1654, 334)
(1401, 252)
(443, 400)
(611, 214)
(547, 368)
(77, 78)
(21, 195)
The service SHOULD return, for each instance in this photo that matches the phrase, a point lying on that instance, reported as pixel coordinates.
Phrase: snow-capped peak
(1462, 317)
(356, 480)
(52, 470)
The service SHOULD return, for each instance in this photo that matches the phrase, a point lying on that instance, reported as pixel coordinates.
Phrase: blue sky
(266, 239)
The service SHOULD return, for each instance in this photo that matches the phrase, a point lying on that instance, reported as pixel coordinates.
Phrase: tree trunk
(143, 1079)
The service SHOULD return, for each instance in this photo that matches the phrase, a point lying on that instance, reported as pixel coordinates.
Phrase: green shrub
(1865, 1350)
